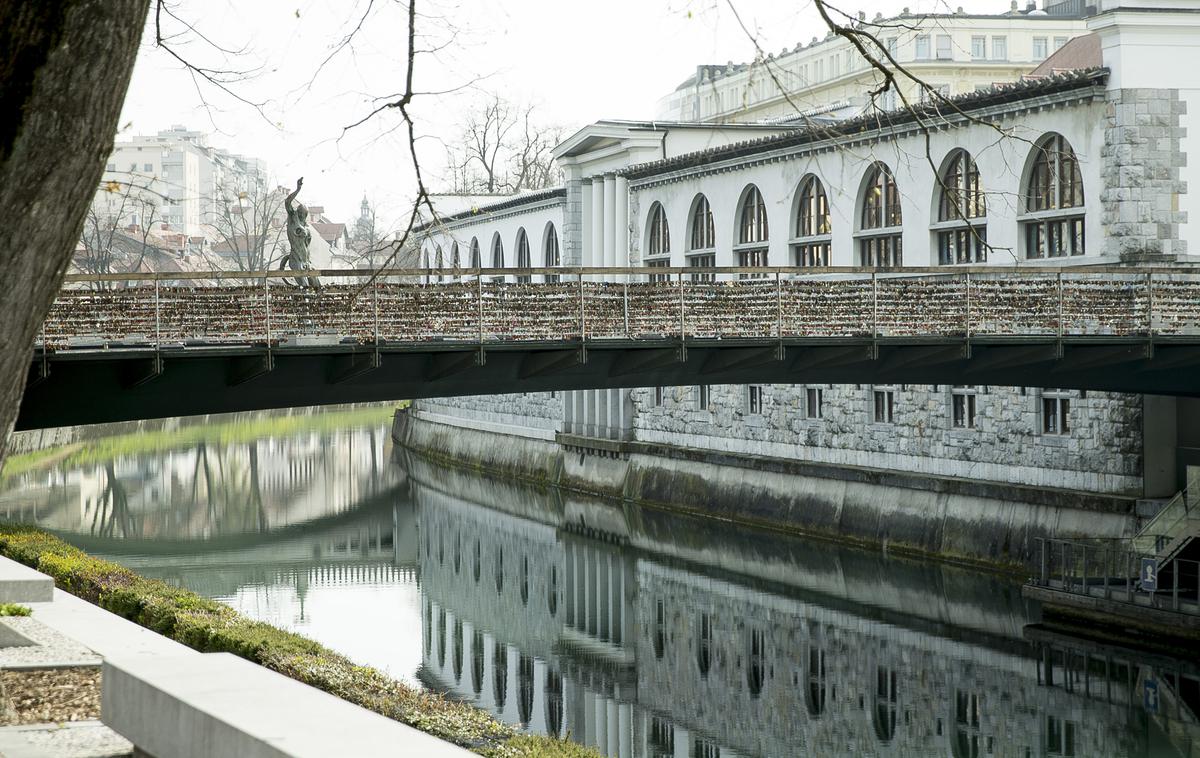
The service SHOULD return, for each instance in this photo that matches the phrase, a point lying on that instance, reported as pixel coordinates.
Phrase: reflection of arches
(554, 703)
(814, 694)
(456, 655)
(525, 689)
(499, 570)
(477, 566)
(885, 704)
(704, 645)
(428, 622)
(964, 742)
(756, 662)
(441, 628)
(457, 552)
(552, 591)
(524, 580)
(477, 656)
(661, 738)
(660, 628)
(500, 674)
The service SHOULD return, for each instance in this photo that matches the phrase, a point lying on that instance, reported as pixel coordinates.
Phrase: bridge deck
(143, 346)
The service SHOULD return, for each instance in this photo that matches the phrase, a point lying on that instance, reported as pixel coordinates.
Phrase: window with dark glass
(814, 695)
(660, 628)
(661, 739)
(702, 241)
(704, 646)
(879, 239)
(553, 254)
(524, 688)
(814, 402)
(811, 247)
(552, 591)
(554, 703)
(475, 261)
(962, 402)
(500, 674)
(966, 740)
(1056, 412)
(499, 570)
(962, 213)
(456, 657)
(753, 232)
(886, 703)
(1054, 211)
(477, 659)
(523, 259)
(756, 662)
(884, 405)
(754, 398)
(660, 233)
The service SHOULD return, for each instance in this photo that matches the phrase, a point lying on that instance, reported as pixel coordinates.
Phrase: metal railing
(583, 304)
(1178, 518)
(1117, 573)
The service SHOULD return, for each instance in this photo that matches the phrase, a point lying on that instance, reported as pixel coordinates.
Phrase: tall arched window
(553, 254)
(552, 592)
(427, 266)
(886, 703)
(442, 633)
(879, 238)
(439, 262)
(456, 655)
(702, 242)
(524, 580)
(554, 703)
(454, 259)
(962, 213)
(704, 646)
(524, 689)
(497, 255)
(752, 230)
(499, 570)
(756, 662)
(475, 261)
(658, 246)
(523, 260)
(964, 742)
(811, 246)
(477, 656)
(1053, 218)
(814, 695)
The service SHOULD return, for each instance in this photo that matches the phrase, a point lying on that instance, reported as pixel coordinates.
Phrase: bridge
(130, 346)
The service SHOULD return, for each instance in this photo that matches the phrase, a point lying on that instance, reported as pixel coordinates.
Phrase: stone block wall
(1102, 452)
(541, 411)
(1141, 160)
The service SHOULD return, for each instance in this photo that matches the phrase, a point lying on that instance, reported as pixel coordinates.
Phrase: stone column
(610, 221)
(595, 258)
(622, 212)
(588, 215)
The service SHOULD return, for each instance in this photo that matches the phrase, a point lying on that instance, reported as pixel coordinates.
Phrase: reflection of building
(571, 618)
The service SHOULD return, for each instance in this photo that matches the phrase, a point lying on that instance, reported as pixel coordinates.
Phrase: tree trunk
(64, 69)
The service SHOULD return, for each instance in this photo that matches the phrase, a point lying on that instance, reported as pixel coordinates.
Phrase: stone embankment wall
(989, 523)
(1101, 453)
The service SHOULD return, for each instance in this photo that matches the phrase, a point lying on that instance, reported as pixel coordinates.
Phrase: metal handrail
(1081, 568)
(1165, 523)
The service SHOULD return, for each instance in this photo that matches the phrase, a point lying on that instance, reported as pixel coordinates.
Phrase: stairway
(1172, 528)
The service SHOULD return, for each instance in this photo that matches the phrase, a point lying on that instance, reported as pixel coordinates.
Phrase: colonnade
(597, 580)
(605, 220)
(606, 414)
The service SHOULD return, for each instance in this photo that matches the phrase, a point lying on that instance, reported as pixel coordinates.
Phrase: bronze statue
(299, 238)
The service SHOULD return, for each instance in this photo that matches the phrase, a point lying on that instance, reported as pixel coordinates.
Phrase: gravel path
(85, 739)
(49, 648)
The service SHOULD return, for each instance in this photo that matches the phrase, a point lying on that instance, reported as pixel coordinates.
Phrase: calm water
(634, 631)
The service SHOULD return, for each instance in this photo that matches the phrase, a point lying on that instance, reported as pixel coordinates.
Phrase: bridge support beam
(242, 370)
(635, 361)
(834, 356)
(1078, 357)
(138, 371)
(927, 355)
(990, 357)
(347, 367)
(732, 359)
(550, 362)
(1173, 356)
(442, 365)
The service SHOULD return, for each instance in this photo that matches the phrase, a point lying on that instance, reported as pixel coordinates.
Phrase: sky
(293, 87)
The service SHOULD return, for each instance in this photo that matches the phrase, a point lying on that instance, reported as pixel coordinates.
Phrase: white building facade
(1094, 166)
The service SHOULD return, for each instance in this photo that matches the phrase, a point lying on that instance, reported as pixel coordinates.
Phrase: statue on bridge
(299, 238)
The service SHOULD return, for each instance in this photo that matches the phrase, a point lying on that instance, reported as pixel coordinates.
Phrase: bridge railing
(540, 304)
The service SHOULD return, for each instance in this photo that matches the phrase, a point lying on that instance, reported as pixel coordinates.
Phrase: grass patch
(229, 432)
(212, 627)
(12, 609)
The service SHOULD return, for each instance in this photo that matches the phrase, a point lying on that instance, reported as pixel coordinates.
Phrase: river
(636, 631)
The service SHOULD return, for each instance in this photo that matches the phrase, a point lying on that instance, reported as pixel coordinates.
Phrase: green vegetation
(210, 627)
(229, 432)
(12, 609)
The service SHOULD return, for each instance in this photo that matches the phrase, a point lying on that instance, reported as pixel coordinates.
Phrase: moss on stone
(212, 627)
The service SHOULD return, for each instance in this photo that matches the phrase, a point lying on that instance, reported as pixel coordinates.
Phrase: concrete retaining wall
(951, 518)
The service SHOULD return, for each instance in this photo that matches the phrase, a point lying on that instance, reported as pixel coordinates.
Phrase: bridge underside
(81, 386)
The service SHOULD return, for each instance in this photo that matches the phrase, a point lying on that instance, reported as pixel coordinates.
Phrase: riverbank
(976, 523)
(209, 626)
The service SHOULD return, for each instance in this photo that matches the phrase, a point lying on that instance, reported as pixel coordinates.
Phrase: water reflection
(646, 634)
(637, 632)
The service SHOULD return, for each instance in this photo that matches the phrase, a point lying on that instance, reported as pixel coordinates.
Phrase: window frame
(552, 253)
(960, 232)
(812, 243)
(880, 234)
(883, 404)
(1053, 222)
(963, 406)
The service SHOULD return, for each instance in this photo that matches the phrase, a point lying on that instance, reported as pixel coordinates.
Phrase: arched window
(497, 255)
(660, 628)
(885, 704)
(552, 591)
(457, 552)
(658, 246)
(553, 254)
(454, 259)
(1053, 218)
(475, 262)
(523, 256)
(428, 265)
(477, 565)
(814, 695)
(524, 688)
(811, 246)
(477, 656)
(500, 674)
(702, 242)
(879, 241)
(752, 230)
(704, 646)
(554, 703)
(439, 262)
(962, 212)
(756, 662)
